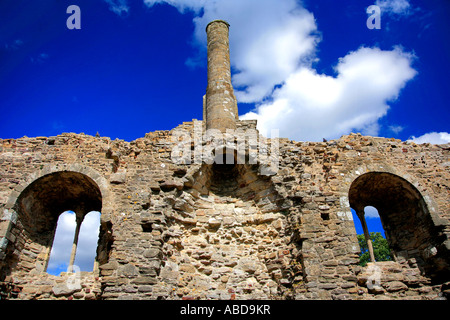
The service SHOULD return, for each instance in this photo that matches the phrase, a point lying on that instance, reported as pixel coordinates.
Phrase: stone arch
(99, 180)
(35, 205)
(380, 166)
(412, 229)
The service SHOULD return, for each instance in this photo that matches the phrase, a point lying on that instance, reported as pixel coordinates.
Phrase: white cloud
(396, 129)
(311, 106)
(432, 137)
(119, 7)
(87, 241)
(395, 7)
(62, 243)
(181, 5)
(268, 39)
(273, 47)
(371, 213)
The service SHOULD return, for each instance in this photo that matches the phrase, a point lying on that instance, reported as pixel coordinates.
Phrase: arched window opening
(372, 241)
(404, 215)
(87, 242)
(74, 246)
(54, 199)
(62, 244)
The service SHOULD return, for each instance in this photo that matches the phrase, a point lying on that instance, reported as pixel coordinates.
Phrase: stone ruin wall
(209, 231)
(194, 232)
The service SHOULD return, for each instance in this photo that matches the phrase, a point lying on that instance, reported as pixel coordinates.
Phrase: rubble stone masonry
(191, 231)
(198, 230)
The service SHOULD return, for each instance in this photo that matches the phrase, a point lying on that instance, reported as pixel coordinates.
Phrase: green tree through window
(380, 248)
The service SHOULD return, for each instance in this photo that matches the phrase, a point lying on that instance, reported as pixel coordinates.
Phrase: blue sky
(373, 221)
(312, 69)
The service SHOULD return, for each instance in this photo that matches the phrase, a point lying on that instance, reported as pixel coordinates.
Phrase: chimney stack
(221, 106)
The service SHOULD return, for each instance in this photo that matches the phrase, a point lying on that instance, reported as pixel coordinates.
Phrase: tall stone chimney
(221, 106)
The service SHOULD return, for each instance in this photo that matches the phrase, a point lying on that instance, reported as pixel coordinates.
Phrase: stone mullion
(360, 214)
(79, 220)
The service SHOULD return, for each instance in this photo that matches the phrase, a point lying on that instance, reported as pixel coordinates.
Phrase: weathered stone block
(152, 253)
(118, 177)
(144, 280)
(394, 286)
(128, 270)
(64, 289)
(226, 231)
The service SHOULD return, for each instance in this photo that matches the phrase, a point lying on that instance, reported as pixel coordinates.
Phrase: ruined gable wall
(290, 235)
(321, 175)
